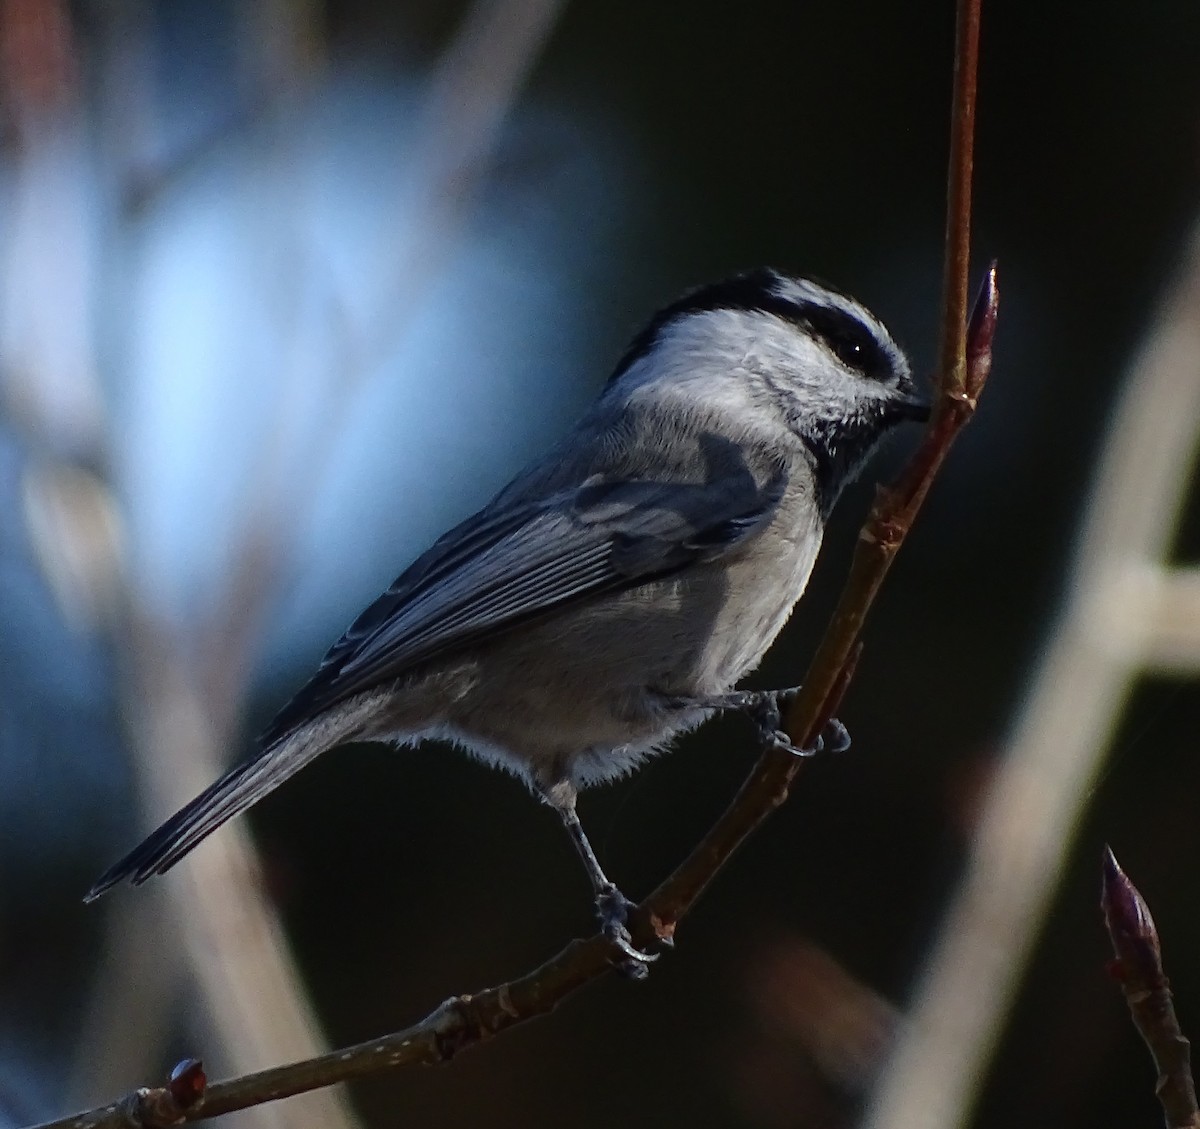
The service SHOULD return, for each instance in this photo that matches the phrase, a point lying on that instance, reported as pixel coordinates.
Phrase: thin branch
(469, 1019)
(967, 359)
(955, 267)
(964, 369)
(1138, 968)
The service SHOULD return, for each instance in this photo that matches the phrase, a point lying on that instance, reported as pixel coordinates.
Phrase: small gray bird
(612, 595)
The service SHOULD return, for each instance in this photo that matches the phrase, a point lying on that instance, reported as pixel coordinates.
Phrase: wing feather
(495, 571)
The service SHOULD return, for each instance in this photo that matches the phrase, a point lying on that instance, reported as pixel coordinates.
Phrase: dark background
(811, 136)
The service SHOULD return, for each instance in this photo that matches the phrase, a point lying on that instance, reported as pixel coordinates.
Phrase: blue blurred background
(288, 288)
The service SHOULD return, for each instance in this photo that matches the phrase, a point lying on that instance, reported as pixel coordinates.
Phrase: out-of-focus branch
(465, 1020)
(48, 380)
(471, 95)
(1138, 968)
(1110, 629)
(804, 1002)
(250, 997)
(228, 932)
(184, 713)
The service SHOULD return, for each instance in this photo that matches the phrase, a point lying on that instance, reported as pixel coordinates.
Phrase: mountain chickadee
(614, 592)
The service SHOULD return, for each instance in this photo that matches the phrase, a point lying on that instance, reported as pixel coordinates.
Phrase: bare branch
(896, 507)
(146, 1108)
(956, 265)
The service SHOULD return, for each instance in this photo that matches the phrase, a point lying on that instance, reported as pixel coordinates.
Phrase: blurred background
(287, 288)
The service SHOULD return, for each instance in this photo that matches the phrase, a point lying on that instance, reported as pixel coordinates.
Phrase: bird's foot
(613, 909)
(765, 709)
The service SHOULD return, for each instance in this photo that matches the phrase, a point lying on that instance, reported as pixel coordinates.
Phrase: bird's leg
(612, 906)
(765, 709)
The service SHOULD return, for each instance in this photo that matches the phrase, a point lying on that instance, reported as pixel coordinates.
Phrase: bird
(616, 591)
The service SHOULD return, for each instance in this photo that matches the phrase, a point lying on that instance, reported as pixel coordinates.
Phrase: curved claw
(781, 741)
(634, 966)
(835, 738)
(613, 909)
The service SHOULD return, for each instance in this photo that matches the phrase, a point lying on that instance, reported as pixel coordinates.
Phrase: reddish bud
(187, 1082)
(1130, 926)
(981, 328)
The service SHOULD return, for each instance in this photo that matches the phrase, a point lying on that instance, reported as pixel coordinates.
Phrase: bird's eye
(847, 351)
(850, 341)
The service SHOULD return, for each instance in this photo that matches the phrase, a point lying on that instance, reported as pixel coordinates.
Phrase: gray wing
(506, 564)
(497, 570)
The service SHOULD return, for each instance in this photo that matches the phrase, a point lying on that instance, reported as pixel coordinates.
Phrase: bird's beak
(913, 405)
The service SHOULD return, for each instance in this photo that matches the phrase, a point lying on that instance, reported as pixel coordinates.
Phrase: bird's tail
(241, 786)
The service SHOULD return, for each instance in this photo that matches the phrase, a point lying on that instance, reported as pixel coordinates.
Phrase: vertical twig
(897, 506)
(956, 266)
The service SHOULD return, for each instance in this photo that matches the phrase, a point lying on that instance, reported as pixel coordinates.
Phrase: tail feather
(238, 789)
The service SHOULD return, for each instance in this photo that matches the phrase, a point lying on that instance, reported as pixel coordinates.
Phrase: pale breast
(762, 584)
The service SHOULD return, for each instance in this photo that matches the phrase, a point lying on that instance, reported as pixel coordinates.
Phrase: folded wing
(494, 572)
